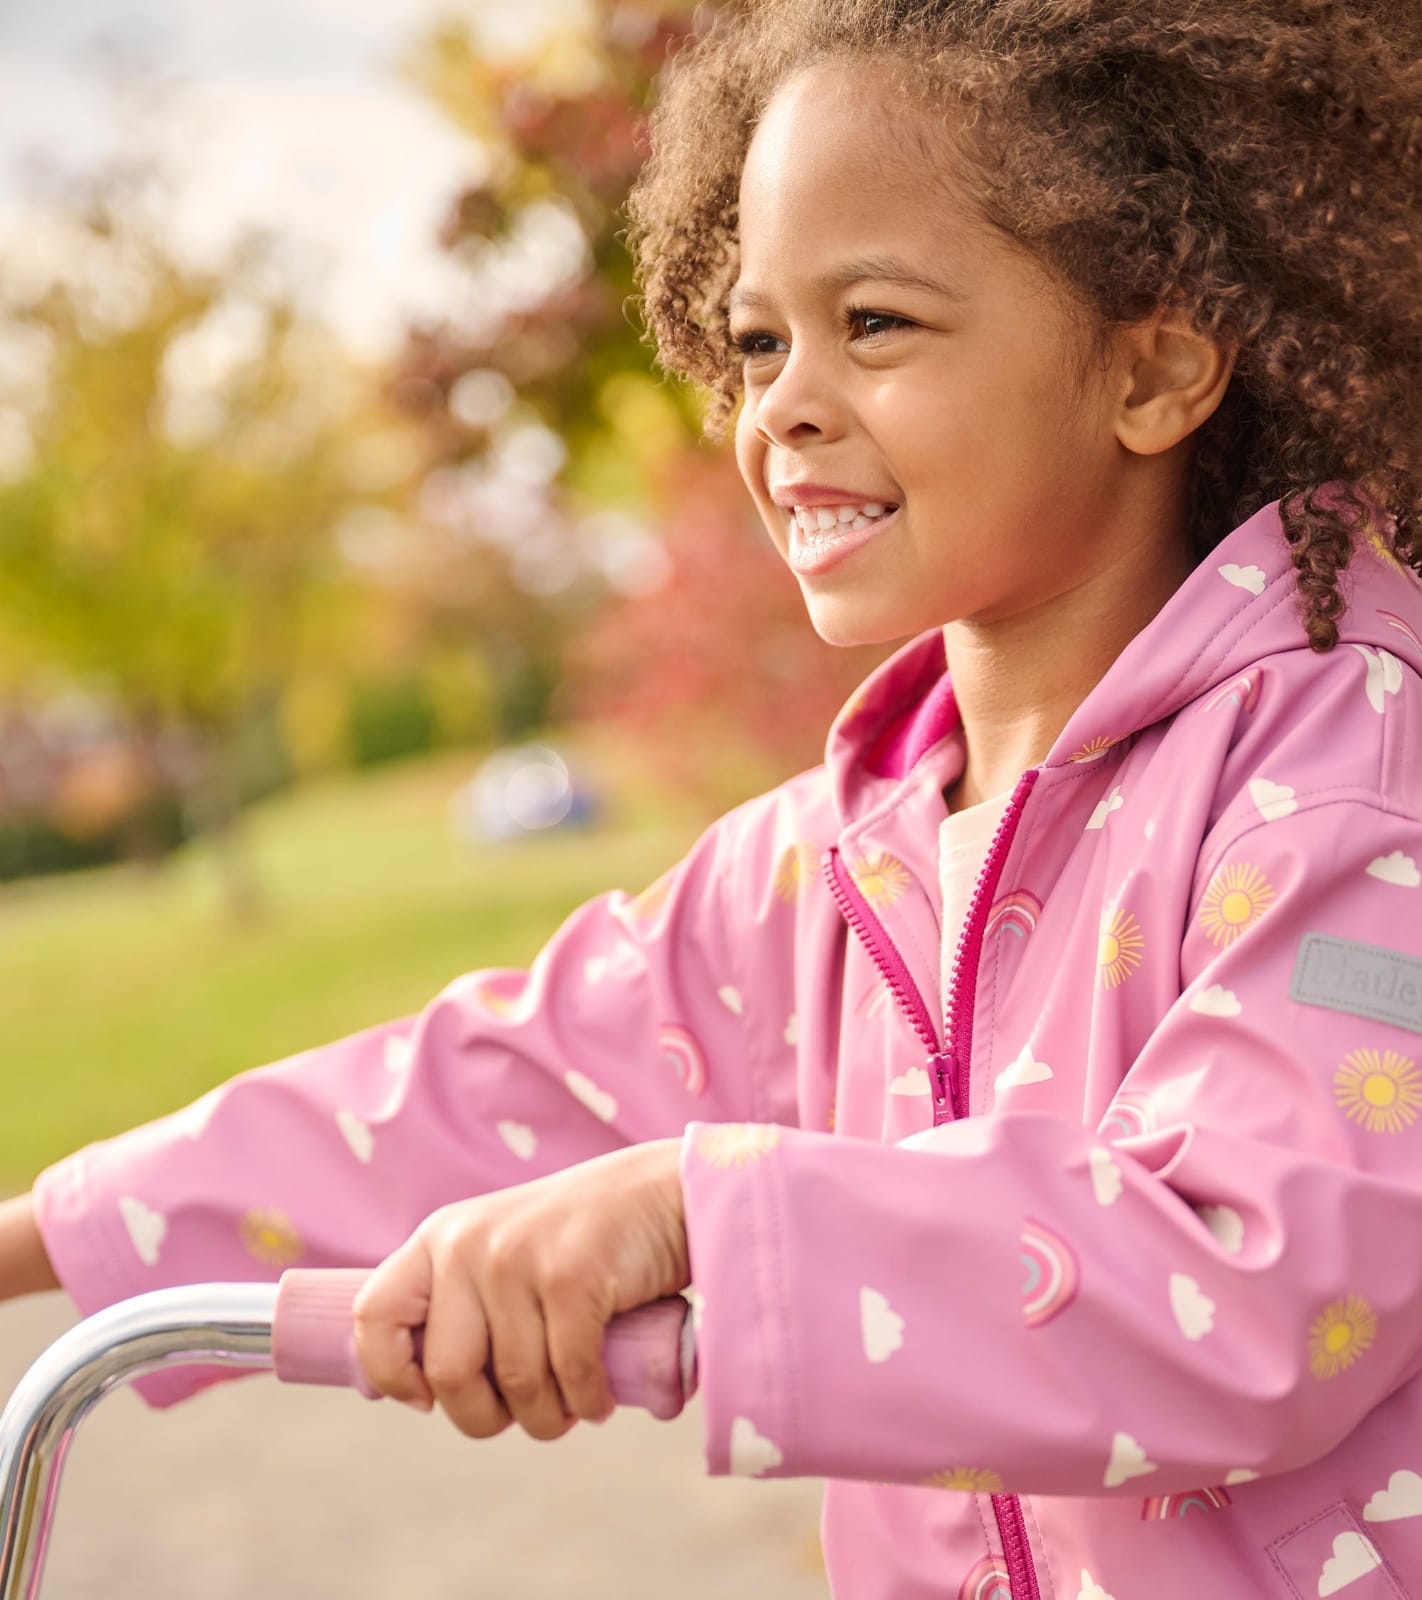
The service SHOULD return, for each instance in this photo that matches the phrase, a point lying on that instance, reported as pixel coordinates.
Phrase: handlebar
(649, 1353)
(302, 1328)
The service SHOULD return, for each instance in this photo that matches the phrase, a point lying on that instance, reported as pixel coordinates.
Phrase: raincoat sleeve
(629, 1022)
(1017, 1302)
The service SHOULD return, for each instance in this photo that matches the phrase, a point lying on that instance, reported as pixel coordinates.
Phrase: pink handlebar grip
(649, 1353)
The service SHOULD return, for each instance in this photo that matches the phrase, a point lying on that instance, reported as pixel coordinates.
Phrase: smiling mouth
(815, 550)
(816, 523)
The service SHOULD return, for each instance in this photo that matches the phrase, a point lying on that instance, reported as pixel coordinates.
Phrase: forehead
(840, 162)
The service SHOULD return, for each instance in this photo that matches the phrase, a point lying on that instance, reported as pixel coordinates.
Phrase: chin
(847, 625)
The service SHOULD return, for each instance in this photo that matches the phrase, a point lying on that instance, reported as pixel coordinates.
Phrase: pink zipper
(958, 1020)
(949, 1063)
(895, 973)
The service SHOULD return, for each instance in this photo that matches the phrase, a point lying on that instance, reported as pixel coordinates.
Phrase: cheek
(750, 459)
(750, 452)
(1000, 426)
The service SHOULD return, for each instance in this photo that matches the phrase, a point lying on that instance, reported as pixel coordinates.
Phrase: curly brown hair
(1255, 163)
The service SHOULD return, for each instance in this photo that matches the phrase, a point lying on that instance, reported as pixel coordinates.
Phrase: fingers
(388, 1309)
(576, 1332)
(456, 1356)
(520, 1362)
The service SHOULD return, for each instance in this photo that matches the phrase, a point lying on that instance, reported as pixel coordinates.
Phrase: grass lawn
(124, 995)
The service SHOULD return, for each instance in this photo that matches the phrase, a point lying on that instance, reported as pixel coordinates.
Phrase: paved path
(253, 1490)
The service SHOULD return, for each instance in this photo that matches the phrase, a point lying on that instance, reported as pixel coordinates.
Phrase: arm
(1239, 1286)
(618, 1033)
(24, 1265)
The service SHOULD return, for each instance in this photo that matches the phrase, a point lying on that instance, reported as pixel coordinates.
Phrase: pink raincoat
(1109, 1287)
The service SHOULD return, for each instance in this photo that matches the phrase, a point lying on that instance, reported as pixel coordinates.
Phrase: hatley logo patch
(1364, 980)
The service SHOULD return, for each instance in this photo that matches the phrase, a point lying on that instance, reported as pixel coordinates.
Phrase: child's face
(968, 415)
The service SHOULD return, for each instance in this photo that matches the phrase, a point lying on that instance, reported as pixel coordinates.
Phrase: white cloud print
(1216, 1001)
(1353, 1557)
(1026, 1069)
(914, 1081)
(1396, 868)
(1402, 1498)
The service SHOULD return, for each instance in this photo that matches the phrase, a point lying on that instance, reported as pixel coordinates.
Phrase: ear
(1170, 380)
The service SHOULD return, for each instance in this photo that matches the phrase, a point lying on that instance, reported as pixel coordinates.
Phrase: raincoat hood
(907, 705)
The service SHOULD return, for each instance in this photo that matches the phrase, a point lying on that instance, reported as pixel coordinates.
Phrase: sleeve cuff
(748, 1356)
(87, 1247)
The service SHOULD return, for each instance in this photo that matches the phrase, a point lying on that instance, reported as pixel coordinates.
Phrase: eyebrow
(882, 269)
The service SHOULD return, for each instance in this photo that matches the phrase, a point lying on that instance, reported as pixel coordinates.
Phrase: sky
(285, 113)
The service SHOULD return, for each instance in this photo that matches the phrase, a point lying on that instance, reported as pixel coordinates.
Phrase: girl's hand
(525, 1281)
(24, 1264)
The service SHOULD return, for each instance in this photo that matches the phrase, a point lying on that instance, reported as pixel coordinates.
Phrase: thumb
(392, 1305)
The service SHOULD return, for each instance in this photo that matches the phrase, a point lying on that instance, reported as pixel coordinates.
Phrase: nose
(798, 402)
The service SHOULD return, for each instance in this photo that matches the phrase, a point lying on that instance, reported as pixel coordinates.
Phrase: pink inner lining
(897, 750)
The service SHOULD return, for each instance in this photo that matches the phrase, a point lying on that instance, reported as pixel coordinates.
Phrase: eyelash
(743, 342)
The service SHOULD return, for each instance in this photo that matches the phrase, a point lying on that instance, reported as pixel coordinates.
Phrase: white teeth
(823, 519)
(861, 521)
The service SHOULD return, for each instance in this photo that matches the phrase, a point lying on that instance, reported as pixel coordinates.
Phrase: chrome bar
(221, 1324)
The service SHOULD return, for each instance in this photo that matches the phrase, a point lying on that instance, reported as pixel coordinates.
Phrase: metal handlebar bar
(301, 1328)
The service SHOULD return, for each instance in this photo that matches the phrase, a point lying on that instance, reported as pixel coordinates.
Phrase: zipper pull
(945, 1075)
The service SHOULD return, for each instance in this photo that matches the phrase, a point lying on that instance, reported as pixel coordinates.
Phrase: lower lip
(810, 556)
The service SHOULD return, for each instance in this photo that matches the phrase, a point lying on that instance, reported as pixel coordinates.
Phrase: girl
(1054, 1178)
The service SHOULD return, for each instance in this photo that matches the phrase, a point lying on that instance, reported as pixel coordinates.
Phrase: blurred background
(366, 600)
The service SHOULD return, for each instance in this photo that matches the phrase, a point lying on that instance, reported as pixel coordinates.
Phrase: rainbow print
(1162, 1507)
(1126, 1116)
(989, 1579)
(1014, 913)
(1242, 692)
(1052, 1274)
(683, 1055)
(1404, 627)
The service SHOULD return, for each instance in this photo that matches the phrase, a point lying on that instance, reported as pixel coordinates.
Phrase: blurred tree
(166, 529)
(703, 629)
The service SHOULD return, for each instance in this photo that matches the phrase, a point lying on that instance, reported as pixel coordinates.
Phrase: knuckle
(577, 1371)
(518, 1386)
(566, 1279)
(504, 1254)
(446, 1372)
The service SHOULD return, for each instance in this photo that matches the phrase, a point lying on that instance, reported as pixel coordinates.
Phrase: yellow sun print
(1380, 1089)
(733, 1144)
(975, 1480)
(790, 871)
(881, 879)
(1237, 897)
(268, 1235)
(1339, 1335)
(1381, 548)
(644, 908)
(1122, 947)
(1095, 748)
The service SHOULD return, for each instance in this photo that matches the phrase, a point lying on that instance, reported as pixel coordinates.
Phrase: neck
(1017, 680)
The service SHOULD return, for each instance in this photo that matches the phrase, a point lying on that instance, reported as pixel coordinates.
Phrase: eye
(876, 325)
(747, 344)
(854, 316)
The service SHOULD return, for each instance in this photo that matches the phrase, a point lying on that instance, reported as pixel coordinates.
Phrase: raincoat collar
(1236, 608)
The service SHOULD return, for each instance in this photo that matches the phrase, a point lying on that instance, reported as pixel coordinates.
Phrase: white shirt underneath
(964, 838)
